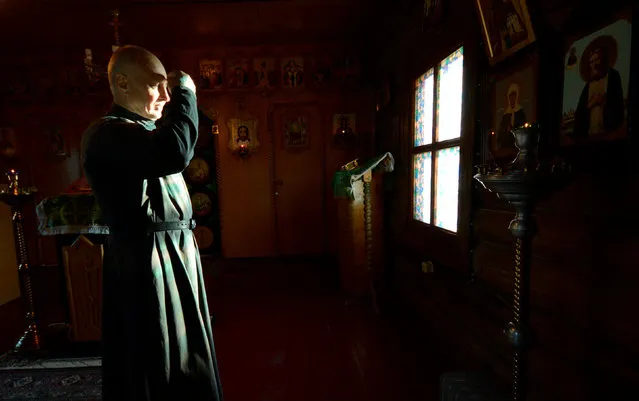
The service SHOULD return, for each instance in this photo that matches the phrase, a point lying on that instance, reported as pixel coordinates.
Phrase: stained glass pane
(447, 187)
(424, 87)
(449, 96)
(421, 194)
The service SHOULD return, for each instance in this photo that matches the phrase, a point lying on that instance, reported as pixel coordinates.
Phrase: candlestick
(243, 150)
(13, 177)
(522, 184)
(16, 197)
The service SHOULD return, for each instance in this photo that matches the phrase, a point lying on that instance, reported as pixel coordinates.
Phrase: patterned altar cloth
(343, 180)
(70, 214)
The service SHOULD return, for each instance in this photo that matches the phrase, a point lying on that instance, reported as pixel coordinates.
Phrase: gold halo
(600, 42)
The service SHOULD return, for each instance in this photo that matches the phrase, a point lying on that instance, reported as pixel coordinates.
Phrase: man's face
(144, 89)
(595, 63)
(148, 95)
(242, 133)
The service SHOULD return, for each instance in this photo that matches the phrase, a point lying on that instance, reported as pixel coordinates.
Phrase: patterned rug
(45, 379)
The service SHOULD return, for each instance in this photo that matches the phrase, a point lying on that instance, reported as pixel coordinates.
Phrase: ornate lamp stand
(523, 184)
(16, 197)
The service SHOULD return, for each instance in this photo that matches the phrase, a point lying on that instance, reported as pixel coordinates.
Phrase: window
(436, 144)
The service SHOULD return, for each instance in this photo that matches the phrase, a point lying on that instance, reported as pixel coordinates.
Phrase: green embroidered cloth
(343, 180)
(70, 214)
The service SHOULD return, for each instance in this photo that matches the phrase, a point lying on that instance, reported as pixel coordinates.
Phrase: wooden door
(298, 180)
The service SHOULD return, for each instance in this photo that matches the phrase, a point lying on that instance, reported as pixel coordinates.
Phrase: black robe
(505, 138)
(157, 337)
(613, 110)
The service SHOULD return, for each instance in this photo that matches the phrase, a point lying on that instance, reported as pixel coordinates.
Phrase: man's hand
(177, 78)
(597, 99)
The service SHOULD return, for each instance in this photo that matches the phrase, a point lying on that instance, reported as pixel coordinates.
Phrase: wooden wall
(9, 285)
(44, 47)
(584, 276)
(246, 201)
(247, 185)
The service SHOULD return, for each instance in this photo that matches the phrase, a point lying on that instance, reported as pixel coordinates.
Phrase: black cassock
(613, 109)
(158, 342)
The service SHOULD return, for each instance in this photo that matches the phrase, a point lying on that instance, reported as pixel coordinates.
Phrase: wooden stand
(79, 237)
(360, 237)
(523, 185)
(16, 198)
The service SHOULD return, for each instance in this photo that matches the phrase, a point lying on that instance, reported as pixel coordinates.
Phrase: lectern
(359, 192)
(75, 221)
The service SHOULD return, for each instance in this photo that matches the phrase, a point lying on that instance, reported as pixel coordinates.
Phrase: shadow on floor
(285, 332)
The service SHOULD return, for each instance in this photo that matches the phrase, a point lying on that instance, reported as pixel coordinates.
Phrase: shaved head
(133, 61)
(138, 81)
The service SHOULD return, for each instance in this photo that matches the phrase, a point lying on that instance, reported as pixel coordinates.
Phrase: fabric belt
(171, 225)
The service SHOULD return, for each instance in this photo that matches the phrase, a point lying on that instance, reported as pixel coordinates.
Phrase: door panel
(245, 183)
(298, 182)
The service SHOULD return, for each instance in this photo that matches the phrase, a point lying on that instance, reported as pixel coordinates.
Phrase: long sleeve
(121, 147)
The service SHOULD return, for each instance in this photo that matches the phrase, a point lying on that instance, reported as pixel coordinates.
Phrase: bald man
(158, 343)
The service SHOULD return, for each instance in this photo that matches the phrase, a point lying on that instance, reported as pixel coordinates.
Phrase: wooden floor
(284, 332)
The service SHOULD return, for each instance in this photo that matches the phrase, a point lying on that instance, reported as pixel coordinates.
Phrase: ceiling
(26, 25)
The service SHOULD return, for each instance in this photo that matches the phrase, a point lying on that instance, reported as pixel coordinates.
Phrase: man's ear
(122, 83)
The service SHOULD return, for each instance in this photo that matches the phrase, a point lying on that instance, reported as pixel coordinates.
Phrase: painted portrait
(515, 103)
(243, 135)
(296, 132)
(198, 171)
(344, 124)
(506, 27)
(293, 72)
(202, 204)
(209, 123)
(204, 237)
(237, 73)
(596, 85)
(344, 131)
(211, 74)
(264, 71)
(57, 147)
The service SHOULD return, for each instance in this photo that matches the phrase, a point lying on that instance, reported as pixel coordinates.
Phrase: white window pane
(449, 96)
(422, 169)
(447, 187)
(424, 87)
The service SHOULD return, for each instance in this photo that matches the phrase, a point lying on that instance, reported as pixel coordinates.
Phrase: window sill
(435, 244)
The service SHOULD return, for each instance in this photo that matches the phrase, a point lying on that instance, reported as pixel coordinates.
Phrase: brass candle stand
(16, 197)
(523, 183)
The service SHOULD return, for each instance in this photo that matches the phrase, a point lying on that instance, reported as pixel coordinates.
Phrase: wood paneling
(246, 185)
(584, 275)
(299, 183)
(80, 24)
